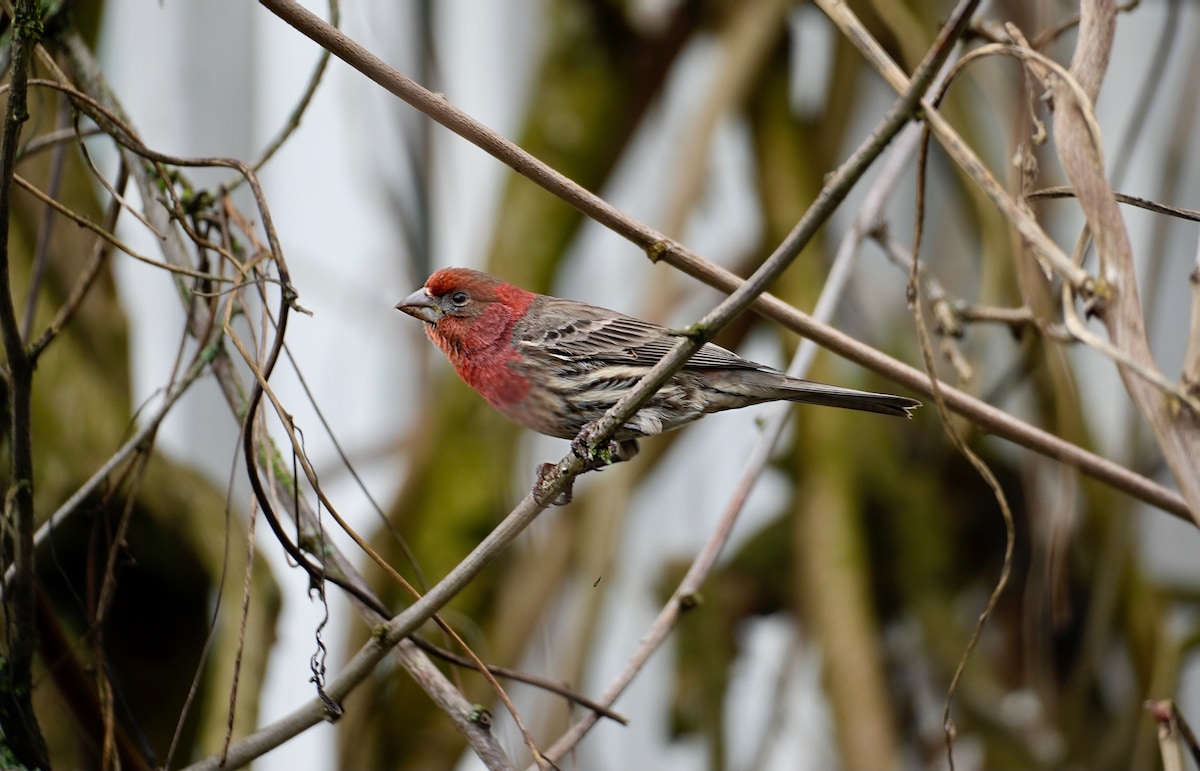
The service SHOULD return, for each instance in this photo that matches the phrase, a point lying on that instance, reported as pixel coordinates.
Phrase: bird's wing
(581, 331)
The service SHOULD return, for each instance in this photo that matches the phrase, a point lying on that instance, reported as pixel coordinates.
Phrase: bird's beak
(421, 306)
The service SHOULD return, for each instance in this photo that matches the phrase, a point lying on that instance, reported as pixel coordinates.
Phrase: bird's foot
(613, 452)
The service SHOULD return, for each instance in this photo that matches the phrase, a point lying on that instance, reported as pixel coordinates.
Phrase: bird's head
(465, 308)
(458, 293)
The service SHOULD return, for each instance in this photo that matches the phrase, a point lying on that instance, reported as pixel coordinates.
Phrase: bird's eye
(459, 298)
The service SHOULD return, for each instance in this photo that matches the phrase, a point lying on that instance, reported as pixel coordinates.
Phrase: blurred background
(830, 629)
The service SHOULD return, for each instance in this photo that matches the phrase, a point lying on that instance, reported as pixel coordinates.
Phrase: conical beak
(421, 306)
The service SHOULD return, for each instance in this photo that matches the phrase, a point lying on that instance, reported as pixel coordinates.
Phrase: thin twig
(84, 222)
(1158, 208)
(955, 436)
(53, 138)
(522, 677)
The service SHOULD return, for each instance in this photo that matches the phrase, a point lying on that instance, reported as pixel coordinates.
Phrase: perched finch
(556, 365)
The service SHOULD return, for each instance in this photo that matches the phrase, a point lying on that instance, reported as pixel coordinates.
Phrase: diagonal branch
(659, 247)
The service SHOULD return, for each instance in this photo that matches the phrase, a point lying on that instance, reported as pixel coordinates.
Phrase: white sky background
(240, 70)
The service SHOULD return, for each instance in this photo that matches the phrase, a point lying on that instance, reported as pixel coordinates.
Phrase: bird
(555, 365)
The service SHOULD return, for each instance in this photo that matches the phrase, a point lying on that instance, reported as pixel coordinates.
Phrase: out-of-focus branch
(1179, 439)
(746, 38)
(87, 277)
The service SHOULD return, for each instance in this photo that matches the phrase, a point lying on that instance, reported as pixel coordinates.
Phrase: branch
(1175, 443)
(684, 595)
(22, 734)
(1175, 419)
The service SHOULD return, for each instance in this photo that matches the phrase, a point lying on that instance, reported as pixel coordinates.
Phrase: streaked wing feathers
(588, 332)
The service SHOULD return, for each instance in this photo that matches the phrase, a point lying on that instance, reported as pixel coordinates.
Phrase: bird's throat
(483, 356)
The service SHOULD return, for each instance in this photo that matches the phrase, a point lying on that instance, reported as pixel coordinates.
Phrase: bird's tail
(769, 385)
(848, 398)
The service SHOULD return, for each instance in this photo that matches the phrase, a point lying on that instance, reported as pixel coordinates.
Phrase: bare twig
(521, 677)
(949, 730)
(1133, 200)
(1021, 219)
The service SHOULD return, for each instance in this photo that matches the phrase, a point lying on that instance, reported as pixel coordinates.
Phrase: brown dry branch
(1182, 213)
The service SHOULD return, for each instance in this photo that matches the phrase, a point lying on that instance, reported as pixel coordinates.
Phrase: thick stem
(22, 735)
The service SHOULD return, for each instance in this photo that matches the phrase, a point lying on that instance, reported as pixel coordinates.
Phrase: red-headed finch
(556, 365)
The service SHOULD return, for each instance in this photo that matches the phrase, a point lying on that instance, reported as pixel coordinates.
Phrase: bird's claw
(579, 447)
(562, 499)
